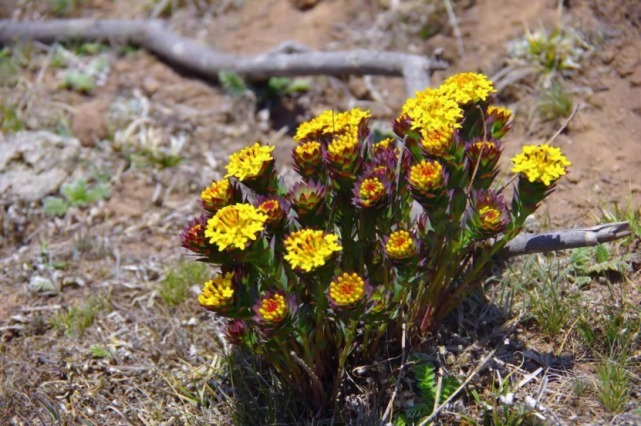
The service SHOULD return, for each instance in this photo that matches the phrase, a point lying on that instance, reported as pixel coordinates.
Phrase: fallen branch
(155, 37)
(565, 239)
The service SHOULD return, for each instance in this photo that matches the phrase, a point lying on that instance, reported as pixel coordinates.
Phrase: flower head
(330, 122)
(193, 237)
(385, 144)
(346, 290)
(427, 176)
(308, 158)
(276, 210)
(309, 249)
(490, 215)
(498, 120)
(271, 309)
(344, 155)
(217, 293)
(434, 116)
(250, 163)
(219, 194)
(235, 226)
(400, 246)
(542, 163)
(468, 87)
(371, 192)
(483, 156)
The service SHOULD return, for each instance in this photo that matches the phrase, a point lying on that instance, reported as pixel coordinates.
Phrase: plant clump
(379, 236)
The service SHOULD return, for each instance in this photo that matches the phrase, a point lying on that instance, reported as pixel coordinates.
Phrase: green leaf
(232, 83)
(55, 206)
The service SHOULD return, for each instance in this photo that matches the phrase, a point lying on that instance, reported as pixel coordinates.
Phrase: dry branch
(565, 239)
(155, 37)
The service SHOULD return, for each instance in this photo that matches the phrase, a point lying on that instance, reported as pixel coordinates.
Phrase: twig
(390, 405)
(565, 239)
(454, 23)
(565, 123)
(460, 388)
(309, 371)
(190, 55)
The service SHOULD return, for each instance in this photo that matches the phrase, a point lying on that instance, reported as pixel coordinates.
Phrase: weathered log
(565, 239)
(191, 55)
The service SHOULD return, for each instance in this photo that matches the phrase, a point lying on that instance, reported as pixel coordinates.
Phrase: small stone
(150, 85)
(635, 78)
(41, 284)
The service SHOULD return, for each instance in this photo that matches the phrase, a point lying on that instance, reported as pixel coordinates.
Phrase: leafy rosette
(400, 248)
(308, 159)
(489, 213)
(349, 292)
(276, 209)
(498, 121)
(193, 237)
(308, 201)
(236, 331)
(482, 159)
(427, 181)
(273, 310)
(371, 192)
(308, 250)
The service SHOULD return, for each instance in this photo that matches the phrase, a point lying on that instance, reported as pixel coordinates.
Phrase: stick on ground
(191, 55)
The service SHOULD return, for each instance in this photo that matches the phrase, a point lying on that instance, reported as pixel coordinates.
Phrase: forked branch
(191, 55)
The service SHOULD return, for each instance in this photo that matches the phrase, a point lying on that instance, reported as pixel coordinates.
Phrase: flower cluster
(379, 232)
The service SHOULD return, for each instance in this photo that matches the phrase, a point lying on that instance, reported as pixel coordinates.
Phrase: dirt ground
(118, 250)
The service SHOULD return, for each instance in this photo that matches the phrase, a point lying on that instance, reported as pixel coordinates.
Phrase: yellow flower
(330, 122)
(370, 191)
(400, 245)
(308, 150)
(344, 145)
(426, 175)
(347, 289)
(272, 309)
(435, 116)
(543, 163)
(467, 87)
(309, 249)
(234, 226)
(383, 145)
(503, 113)
(217, 195)
(217, 292)
(490, 217)
(249, 162)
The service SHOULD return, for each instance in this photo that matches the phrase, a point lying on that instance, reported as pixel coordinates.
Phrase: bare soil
(165, 360)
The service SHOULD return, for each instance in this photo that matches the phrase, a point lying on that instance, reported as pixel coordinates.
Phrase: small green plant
(232, 83)
(78, 81)
(555, 102)
(63, 8)
(561, 49)
(174, 288)
(428, 390)
(100, 351)
(77, 319)
(11, 120)
(78, 194)
(279, 86)
(614, 385)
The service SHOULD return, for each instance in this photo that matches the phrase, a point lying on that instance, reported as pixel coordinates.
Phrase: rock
(304, 4)
(41, 284)
(88, 123)
(150, 85)
(635, 78)
(35, 164)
